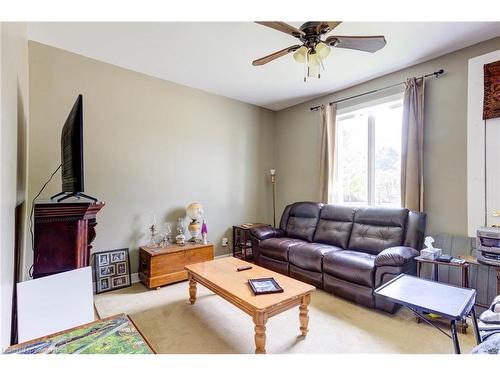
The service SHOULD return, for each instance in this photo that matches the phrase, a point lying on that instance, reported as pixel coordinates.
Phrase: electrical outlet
(224, 241)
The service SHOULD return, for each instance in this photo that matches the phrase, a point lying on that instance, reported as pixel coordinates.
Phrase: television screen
(72, 149)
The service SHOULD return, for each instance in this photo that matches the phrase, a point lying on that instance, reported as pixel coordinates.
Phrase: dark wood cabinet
(63, 233)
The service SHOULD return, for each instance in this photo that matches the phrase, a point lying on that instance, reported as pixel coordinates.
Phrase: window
(369, 154)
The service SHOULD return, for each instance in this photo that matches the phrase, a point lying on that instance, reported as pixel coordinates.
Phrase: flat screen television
(72, 171)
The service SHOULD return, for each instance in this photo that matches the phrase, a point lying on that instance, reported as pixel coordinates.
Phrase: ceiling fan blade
(275, 55)
(327, 26)
(283, 27)
(361, 43)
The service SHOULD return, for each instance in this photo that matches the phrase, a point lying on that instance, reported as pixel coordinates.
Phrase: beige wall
(151, 147)
(445, 158)
(13, 114)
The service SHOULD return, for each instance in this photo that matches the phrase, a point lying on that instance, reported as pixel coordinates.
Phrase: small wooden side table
(435, 265)
(241, 240)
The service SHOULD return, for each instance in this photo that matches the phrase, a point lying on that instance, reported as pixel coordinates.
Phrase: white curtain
(328, 119)
(412, 146)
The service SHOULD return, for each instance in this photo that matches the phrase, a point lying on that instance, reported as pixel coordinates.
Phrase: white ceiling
(216, 56)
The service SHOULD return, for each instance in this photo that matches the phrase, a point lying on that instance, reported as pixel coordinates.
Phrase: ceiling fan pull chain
(322, 67)
(306, 67)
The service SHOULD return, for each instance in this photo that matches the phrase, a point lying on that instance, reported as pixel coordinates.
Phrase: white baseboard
(134, 278)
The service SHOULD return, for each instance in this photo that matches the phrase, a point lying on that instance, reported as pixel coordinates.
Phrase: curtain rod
(435, 74)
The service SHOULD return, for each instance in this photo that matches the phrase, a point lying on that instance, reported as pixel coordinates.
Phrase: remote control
(445, 258)
(243, 268)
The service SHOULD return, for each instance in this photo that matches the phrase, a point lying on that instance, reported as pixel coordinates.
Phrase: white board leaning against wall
(483, 163)
(54, 303)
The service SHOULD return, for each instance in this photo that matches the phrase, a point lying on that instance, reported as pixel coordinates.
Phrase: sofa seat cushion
(354, 266)
(309, 256)
(277, 248)
(274, 265)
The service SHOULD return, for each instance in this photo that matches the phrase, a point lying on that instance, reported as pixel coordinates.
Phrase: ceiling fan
(313, 50)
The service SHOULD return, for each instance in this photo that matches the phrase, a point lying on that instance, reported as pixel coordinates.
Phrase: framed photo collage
(112, 270)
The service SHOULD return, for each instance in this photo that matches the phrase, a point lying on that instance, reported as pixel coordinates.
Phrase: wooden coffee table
(221, 277)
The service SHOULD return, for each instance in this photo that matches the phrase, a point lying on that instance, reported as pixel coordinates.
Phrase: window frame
(344, 114)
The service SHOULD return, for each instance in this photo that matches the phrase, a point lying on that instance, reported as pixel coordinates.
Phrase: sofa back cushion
(335, 225)
(284, 217)
(376, 229)
(415, 230)
(302, 220)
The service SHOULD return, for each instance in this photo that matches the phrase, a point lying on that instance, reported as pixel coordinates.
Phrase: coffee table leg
(260, 333)
(304, 318)
(192, 290)
(454, 336)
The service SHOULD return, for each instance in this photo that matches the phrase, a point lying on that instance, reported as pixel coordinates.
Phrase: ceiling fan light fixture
(300, 55)
(313, 59)
(322, 50)
(313, 51)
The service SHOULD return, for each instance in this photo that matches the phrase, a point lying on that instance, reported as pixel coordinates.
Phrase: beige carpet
(213, 325)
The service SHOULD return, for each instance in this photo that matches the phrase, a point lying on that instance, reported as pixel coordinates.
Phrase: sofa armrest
(263, 233)
(395, 256)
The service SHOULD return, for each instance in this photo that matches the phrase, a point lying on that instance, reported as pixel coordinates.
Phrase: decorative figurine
(195, 212)
(204, 231)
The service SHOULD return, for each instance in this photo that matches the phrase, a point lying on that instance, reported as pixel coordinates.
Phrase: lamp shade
(322, 50)
(313, 59)
(195, 211)
(300, 54)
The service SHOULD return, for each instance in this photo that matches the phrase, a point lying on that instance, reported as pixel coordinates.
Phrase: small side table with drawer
(242, 248)
(160, 266)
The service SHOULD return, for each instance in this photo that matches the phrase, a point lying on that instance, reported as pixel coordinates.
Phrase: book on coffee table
(265, 285)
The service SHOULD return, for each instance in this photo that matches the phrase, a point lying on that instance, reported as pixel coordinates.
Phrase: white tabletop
(440, 298)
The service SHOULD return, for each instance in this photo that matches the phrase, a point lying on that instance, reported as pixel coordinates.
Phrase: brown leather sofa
(344, 250)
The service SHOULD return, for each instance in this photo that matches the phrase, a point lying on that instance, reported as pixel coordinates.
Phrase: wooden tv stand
(63, 235)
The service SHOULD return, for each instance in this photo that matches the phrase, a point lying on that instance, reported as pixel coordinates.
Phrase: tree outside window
(368, 154)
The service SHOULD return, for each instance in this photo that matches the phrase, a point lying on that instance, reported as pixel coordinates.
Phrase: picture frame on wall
(491, 101)
(112, 270)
